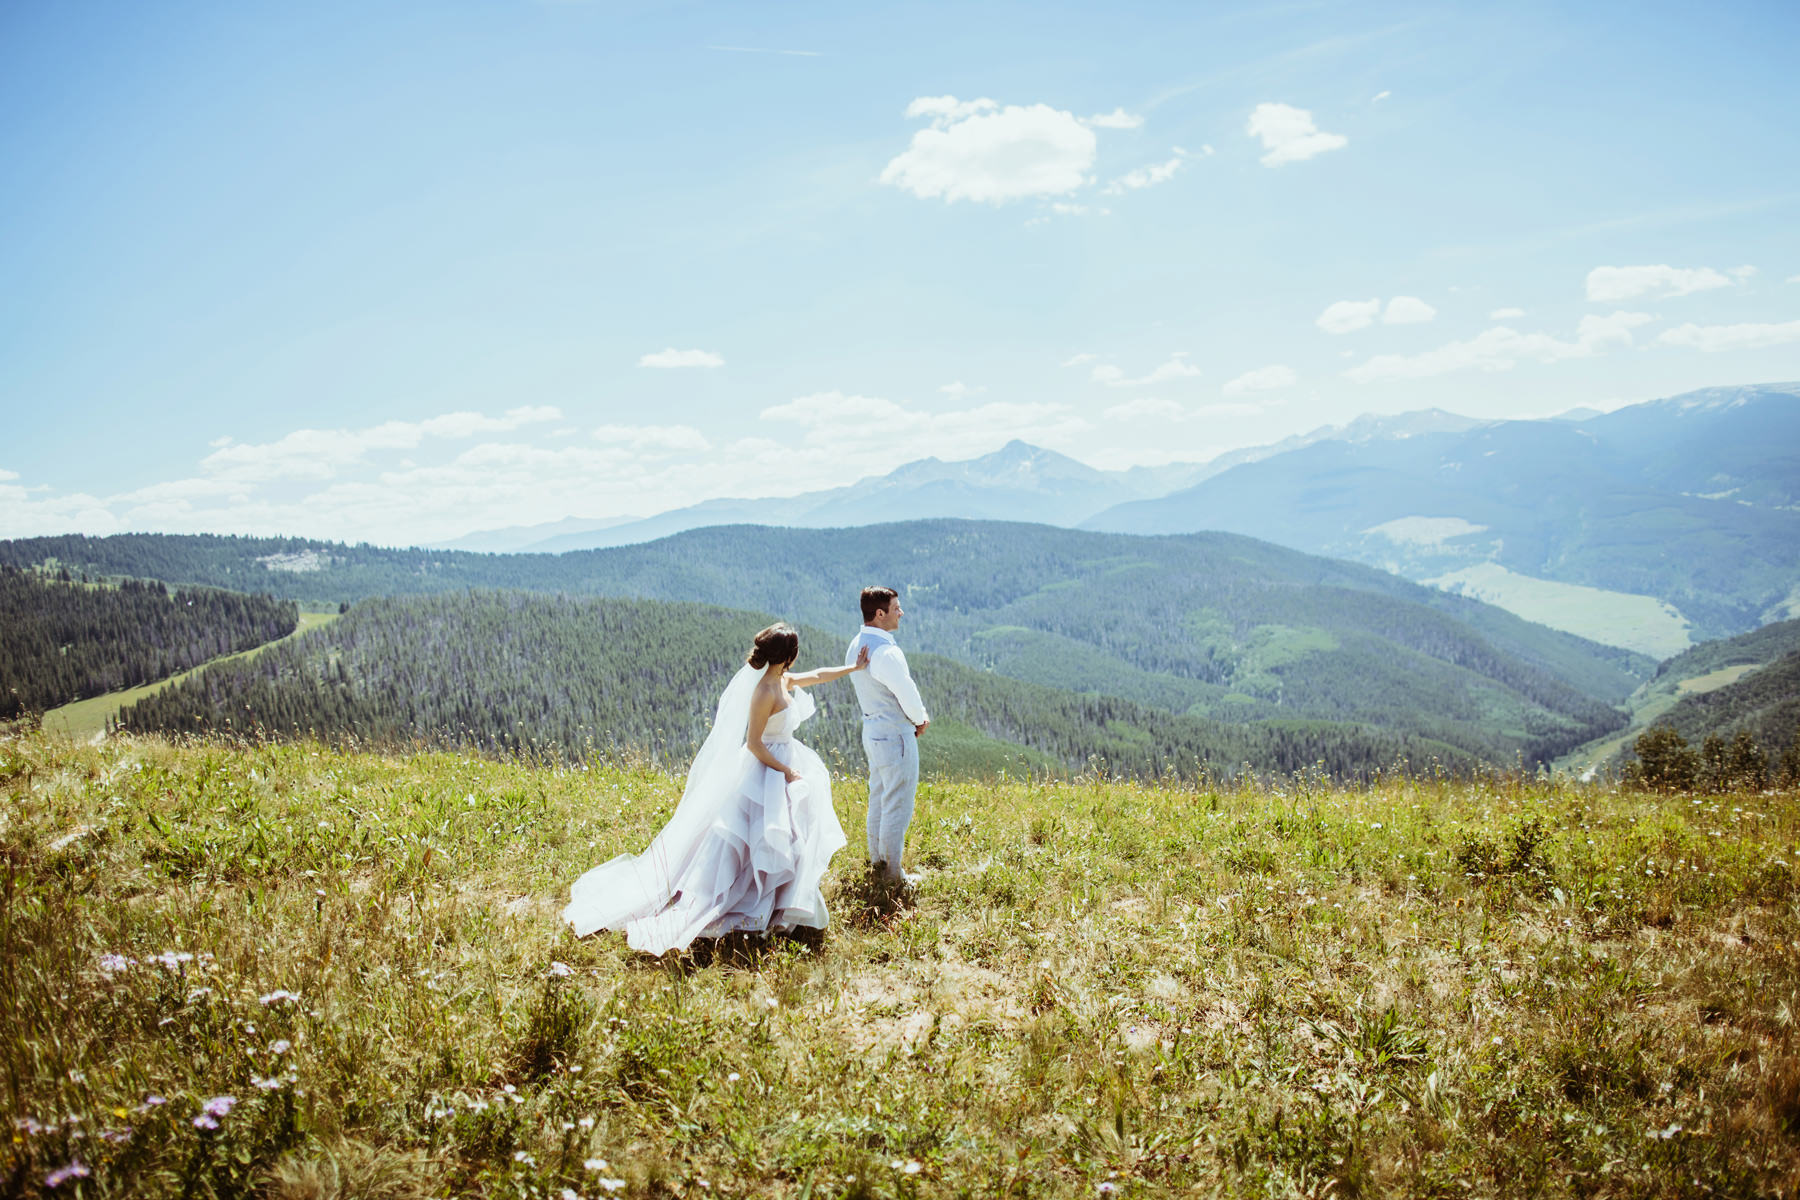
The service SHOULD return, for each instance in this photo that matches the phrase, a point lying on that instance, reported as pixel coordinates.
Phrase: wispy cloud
(673, 359)
(1660, 281)
(1502, 348)
(1262, 379)
(1176, 367)
(1716, 338)
(1150, 176)
(1118, 118)
(1288, 134)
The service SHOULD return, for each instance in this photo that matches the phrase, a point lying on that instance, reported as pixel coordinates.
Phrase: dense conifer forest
(63, 640)
(1212, 626)
(567, 677)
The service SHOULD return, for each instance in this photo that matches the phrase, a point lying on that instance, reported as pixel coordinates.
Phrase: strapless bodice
(780, 726)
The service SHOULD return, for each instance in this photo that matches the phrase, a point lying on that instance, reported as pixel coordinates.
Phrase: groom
(893, 718)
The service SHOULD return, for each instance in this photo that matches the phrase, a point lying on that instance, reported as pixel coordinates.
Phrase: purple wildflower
(75, 1170)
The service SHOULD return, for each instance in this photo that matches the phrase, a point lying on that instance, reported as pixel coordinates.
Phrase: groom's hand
(919, 729)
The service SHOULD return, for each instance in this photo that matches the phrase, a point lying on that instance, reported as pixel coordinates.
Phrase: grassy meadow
(88, 718)
(299, 971)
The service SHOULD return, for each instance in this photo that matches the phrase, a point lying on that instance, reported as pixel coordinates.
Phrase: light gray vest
(878, 703)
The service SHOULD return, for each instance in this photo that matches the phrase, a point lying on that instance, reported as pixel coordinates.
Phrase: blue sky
(396, 272)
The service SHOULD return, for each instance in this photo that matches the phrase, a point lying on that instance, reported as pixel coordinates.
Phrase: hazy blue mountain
(1019, 482)
(513, 538)
(1212, 626)
(1689, 500)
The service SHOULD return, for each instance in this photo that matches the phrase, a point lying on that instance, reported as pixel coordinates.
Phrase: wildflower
(733, 1077)
(75, 1170)
(560, 970)
(150, 1102)
(267, 1084)
(280, 1046)
(613, 1185)
(278, 996)
(569, 1194)
(219, 1106)
(1107, 1187)
(595, 1164)
(173, 959)
(913, 1167)
(112, 964)
(519, 1156)
(205, 1122)
(586, 1122)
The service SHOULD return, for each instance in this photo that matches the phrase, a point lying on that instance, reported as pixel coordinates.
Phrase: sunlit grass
(1430, 988)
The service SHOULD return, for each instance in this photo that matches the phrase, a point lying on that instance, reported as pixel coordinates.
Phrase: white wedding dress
(745, 850)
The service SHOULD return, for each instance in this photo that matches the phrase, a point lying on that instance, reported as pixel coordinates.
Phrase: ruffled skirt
(757, 868)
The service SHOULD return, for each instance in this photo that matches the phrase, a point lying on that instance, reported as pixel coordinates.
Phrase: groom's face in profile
(888, 618)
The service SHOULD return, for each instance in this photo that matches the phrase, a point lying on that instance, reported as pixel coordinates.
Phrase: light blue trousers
(893, 750)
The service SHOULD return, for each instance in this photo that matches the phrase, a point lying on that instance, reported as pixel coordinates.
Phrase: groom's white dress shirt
(886, 691)
(891, 707)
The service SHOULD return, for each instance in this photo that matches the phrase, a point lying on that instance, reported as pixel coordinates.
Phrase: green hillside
(1691, 676)
(1764, 703)
(62, 640)
(564, 678)
(1207, 625)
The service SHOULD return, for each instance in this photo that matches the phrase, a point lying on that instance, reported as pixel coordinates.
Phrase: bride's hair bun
(779, 643)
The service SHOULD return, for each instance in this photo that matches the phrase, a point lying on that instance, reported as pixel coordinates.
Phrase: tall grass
(1420, 988)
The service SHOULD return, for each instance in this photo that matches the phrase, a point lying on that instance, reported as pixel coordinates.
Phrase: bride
(750, 840)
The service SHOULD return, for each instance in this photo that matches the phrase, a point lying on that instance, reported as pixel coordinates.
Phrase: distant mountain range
(1019, 482)
(1684, 510)
(1649, 527)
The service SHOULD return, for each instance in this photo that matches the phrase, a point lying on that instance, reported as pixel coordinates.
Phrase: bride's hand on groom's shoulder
(862, 659)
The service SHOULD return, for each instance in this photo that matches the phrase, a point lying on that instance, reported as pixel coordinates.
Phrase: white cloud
(1289, 135)
(1118, 118)
(1716, 338)
(1149, 176)
(1378, 97)
(1743, 274)
(1263, 379)
(7, 476)
(1063, 208)
(673, 358)
(845, 433)
(1793, 278)
(667, 438)
(322, 453)
(977, 150)
(1611, 284)
(1176, 367)
(1076, 360)
(1407, 310)
(1502, 348)
(1505, 314)
(1347, 316)
(26, 512)
(958, 390)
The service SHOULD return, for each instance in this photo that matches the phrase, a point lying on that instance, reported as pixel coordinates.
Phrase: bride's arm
(827, 674)
(762, 706)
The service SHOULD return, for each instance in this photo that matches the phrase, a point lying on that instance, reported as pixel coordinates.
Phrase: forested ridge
(1205, 625)
(568, 676)
(63, 640)
(1765, 704)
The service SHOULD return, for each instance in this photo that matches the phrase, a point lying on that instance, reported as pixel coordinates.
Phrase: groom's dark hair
(874, 599)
